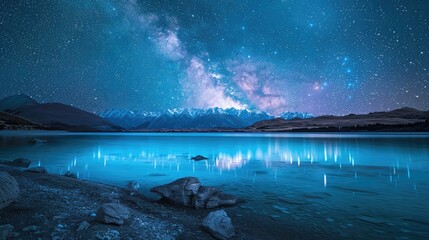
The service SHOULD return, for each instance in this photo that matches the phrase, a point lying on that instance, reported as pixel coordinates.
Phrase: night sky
(318, 56)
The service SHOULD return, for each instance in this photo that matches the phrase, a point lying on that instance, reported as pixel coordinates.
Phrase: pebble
(61, 216)
(109, 235)
(83, 225)
(29, 228)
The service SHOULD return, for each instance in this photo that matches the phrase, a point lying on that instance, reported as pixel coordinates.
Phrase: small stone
(37, 170)
(83, 225)
(133, 186)
(5, 231)
(112, 213)
(61, 216)
(114, 232)
(219, 225)
(109, 235)
(70, 174)
(32, 228)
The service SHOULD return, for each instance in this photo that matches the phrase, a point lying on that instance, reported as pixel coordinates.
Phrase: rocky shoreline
(58, 207)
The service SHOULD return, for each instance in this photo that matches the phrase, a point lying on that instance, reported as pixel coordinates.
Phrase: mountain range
(191, 118)
(23, 112)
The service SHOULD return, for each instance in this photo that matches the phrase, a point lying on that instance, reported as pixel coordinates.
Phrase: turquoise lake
(296, 186)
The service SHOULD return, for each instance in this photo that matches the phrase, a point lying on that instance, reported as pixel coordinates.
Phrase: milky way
(323, 57)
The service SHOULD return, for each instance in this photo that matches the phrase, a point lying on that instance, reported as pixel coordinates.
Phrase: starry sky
(317, 56)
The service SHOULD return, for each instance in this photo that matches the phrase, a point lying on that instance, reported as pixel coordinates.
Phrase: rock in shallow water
(189, 192)
(180, 191)
(9, 189)
(210, 197)
(70, 174)
(219, 225)
(199, 158)
(112, 213)
(19, 162)
(37, 170)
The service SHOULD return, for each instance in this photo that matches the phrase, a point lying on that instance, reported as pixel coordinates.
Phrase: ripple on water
(157, 175)
(317, 195)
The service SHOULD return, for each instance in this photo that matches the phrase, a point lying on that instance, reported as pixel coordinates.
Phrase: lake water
(297, 186)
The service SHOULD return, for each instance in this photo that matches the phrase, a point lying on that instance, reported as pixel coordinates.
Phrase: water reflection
(275, 156)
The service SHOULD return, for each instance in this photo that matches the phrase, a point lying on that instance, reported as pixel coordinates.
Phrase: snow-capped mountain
(190, 118)
(127, 119)
(292, 115)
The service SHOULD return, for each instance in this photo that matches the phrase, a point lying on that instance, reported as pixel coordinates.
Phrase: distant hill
(54, 115)
(404, 117)
(15, 102)
(191, 118)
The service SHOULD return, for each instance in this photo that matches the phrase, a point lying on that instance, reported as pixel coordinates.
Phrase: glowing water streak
(325, 153)
(324, 180)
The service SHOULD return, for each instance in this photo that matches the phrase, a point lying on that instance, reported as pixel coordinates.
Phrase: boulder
(180, 191)
(5, 231)
(37, 170)
(199, 158)
(70, 174)
(210, 197)
(9, 189)
(113, 213)
(219, 225)
(189, 192)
